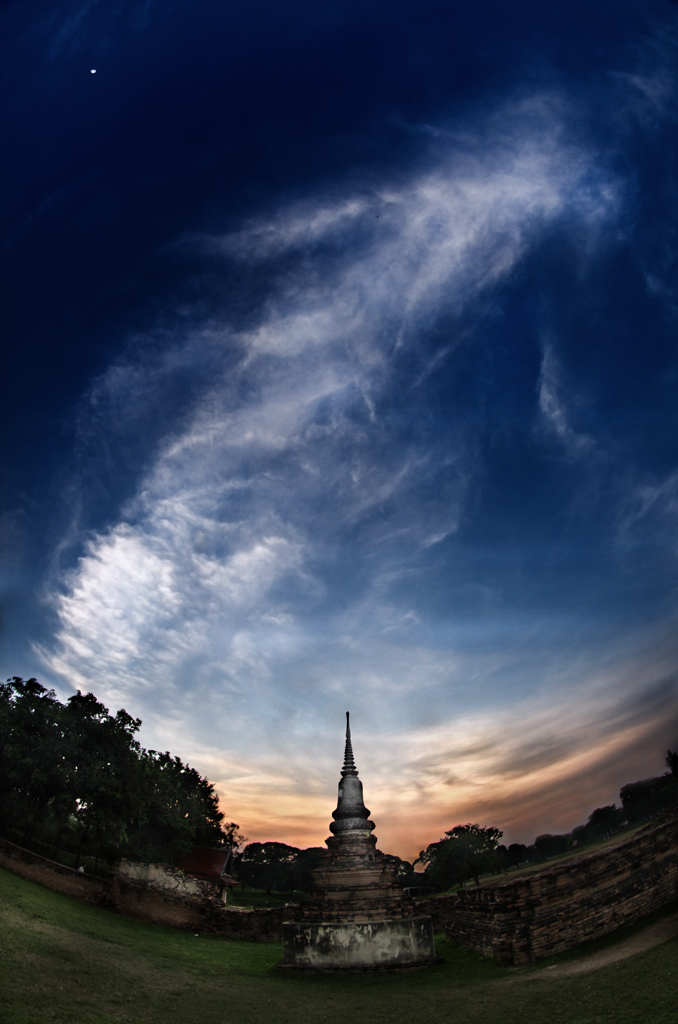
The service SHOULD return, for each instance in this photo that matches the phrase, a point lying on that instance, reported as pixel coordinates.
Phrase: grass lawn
(258, 898)
(62, 961)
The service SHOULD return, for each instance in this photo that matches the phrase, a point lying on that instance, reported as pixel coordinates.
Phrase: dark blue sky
(340, 370)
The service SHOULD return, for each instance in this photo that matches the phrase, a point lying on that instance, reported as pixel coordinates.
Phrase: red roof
(208, 864)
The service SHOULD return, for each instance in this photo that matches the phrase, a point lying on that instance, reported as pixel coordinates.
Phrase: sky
(340, 373)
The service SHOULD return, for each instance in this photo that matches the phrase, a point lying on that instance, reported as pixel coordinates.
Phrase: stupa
(357, 916)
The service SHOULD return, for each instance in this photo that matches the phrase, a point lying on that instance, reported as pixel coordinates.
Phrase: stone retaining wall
(546, 912)
(154, 893)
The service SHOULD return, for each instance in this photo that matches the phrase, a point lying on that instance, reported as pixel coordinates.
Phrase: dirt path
(645, 939)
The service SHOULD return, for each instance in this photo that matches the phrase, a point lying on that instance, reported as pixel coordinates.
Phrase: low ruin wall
(513, 922)
(546, 912)
(150, 893)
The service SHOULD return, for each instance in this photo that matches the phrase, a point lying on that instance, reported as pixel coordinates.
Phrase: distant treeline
(276, 867)
(468, 851)
(73, 777)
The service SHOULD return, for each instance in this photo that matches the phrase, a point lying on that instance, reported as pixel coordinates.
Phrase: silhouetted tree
(548, 845)
(32, 764)
(404, 870)
(502, 858)
(517, 854)
(642, 800)
(102, 767)
(305, 862)
(268, 866)
(75, 773)
(467, 851)
(603, 822)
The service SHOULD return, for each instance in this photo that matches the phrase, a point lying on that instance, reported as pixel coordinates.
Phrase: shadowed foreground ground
(61, 961)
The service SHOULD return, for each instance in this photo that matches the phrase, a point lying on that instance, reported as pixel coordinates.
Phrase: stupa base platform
(402, 944)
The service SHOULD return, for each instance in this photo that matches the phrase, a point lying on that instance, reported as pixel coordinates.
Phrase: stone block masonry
(584, 897)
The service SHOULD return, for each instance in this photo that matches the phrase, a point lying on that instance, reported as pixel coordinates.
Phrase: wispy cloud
(277, 548)
(554, 399)
(650, 503)
(541, 764)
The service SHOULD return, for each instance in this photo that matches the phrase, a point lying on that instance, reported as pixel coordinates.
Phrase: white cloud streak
(554, 398)
(199, 608)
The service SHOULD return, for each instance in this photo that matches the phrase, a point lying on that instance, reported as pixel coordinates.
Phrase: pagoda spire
(349, 764)
(351, 816)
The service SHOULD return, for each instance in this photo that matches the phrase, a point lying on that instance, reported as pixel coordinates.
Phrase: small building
(357, 916)
(210, 865)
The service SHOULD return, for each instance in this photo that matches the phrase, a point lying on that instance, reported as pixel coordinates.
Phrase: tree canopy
(467, 851)
(277, 867)
(75, 775)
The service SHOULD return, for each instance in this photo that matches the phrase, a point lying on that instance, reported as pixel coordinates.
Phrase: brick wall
(546, 912)
(514, 922)
(194, 907)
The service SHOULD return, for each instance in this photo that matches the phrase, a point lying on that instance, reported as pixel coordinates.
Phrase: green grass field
(61, 961)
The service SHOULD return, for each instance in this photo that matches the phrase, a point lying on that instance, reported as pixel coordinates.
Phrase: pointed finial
(349, 764)
(351, 817)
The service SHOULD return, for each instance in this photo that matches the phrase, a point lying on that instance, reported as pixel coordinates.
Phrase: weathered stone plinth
(357, 917)
(368, 945)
